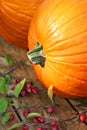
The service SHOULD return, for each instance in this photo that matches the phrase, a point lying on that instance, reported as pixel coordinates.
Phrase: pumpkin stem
(36, 55)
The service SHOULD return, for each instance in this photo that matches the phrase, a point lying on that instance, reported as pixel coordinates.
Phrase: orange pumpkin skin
(15, 18)
(61, 28)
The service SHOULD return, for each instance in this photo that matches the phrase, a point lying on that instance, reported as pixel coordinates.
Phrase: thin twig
(29, 107)
(10, 70)
(6, 95)
(58, 121)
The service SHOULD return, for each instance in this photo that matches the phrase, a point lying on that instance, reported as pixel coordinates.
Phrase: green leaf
(15, 126)
(6, 117)
(9, 99)
(9, 91)
(7, 79)
(50, 93)
(2, 71)
(3, 105)
(19, 87)
(9, 59)
(23, 105)
(3, 85)
(46, 106)
(15, 105)
(32, 115)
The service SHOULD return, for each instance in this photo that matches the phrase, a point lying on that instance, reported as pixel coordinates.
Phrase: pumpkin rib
(68, 55)
(73, 67)
(11, 18)
(23, 4)
(71, 19)
(14, 11)
(67, 89)
(11, 21)
(22, 45)
(60, 16)
(56, 6)
(71, 61)
(66, 52)
(31, 4)
(69, 52)
(63, 41)
(62, 26)
(70, 7)
(70, 94)
(15, 31)
(82, 13)
(77, 92)
(65, 62)
(67, 75)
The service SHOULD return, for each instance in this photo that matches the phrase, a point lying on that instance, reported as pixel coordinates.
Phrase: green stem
(37, 55)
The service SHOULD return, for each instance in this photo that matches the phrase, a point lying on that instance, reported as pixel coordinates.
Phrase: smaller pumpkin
(57, 42)
(15, 18)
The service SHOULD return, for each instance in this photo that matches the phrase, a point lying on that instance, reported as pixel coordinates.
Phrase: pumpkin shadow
(79, 102)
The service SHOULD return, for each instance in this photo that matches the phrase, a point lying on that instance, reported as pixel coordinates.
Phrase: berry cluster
(27, 89)
(40, 120)
(53, 123)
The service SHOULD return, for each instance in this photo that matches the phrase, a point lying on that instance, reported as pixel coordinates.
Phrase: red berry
(25, 127)
(44, 128)
(50, 109)
(39, 128)
(28, 90)
(12, 116)
(55, 127)
(35, 120)
(83, 117)
(41, 119)
(23, 93)
(34, 90)
(17, 80)
(53, 123)
(26, 112)
(76, 113)
(13, 87)
(28, 84)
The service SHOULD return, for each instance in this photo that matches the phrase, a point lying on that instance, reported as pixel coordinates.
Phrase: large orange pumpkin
(15, 17)
(58, 46)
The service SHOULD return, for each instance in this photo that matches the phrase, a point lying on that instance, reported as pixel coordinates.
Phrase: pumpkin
(57, 41)
(15, 18)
